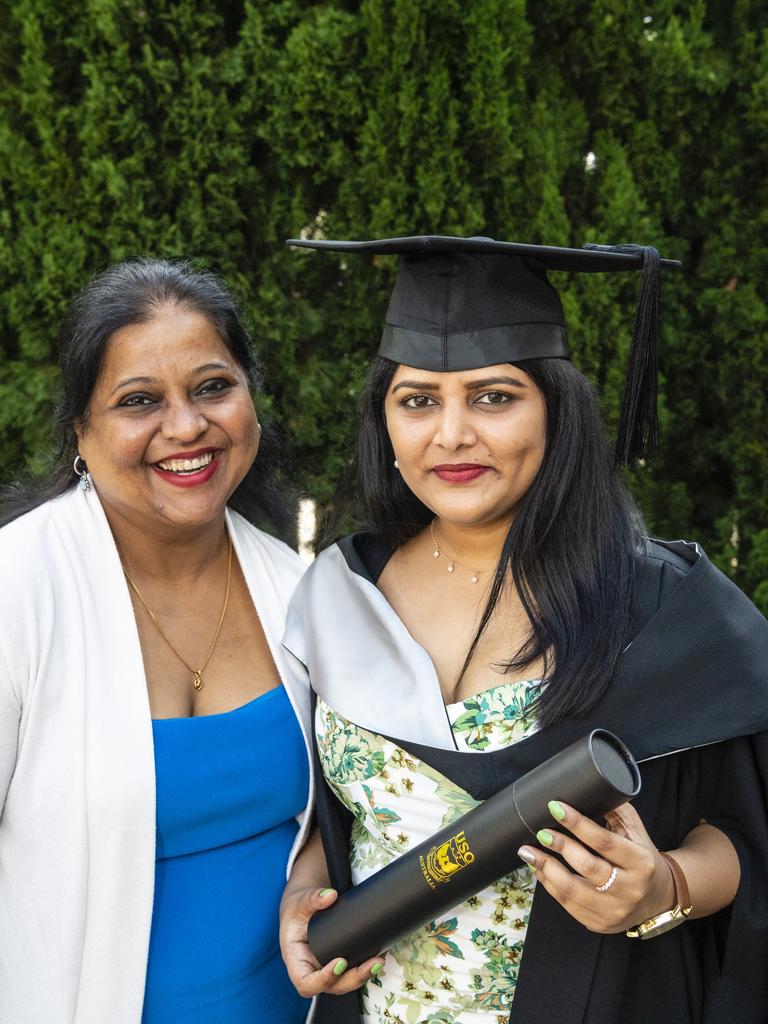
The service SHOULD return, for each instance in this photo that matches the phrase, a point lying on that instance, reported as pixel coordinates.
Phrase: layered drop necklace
(197, 673)
(452, 562)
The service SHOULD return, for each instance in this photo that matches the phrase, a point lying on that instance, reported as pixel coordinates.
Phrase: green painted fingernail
(545, 837)
(556, 810)
(339, 968)
(376, 968)
(324, 892)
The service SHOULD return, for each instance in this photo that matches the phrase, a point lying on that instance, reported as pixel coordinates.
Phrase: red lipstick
(189, 479)
(193, 478)
(459, 472)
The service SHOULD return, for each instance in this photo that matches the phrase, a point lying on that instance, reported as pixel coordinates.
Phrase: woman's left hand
(619, 859)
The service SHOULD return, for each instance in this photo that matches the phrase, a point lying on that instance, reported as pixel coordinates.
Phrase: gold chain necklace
(452, 562)
(196, 672)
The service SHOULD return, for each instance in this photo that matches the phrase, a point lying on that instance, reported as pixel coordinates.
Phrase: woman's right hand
(308, 976)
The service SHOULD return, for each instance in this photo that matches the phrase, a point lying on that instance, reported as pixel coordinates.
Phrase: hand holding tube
(596, 774)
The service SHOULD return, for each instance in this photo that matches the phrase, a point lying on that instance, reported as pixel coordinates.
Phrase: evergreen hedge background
(216, 129)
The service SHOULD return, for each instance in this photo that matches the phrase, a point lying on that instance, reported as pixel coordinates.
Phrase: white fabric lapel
(271, 572)
(360, 657)
(105, 663)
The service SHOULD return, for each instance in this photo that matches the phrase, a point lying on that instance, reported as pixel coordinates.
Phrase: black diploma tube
(595, 775)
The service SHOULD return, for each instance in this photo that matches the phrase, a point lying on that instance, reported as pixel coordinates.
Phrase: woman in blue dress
(154, 770)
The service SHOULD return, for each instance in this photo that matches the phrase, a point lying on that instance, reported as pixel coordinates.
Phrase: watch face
(663, 923)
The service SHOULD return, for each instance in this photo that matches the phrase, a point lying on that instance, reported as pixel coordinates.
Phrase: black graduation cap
(464, 303)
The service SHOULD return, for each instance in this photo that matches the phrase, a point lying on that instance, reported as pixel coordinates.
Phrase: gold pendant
(198, 683)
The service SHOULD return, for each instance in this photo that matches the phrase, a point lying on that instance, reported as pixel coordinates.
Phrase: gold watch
(670, 918)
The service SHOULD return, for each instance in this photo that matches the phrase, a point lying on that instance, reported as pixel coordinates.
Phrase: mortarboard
(464, 303)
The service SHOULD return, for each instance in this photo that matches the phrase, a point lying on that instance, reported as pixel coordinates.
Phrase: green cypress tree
(218, 130)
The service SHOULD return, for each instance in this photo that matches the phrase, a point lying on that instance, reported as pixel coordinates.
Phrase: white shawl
(77, 784)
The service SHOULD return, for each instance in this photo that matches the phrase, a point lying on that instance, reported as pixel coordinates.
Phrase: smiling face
(469, 443)
(171, 429)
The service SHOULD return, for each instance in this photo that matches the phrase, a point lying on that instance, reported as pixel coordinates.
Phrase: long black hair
(133, 292)
(569, 550)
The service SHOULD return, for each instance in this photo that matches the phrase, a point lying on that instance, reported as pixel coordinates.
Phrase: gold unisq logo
(442, 862)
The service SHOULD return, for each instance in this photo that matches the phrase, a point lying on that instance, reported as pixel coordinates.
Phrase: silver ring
(611, 879)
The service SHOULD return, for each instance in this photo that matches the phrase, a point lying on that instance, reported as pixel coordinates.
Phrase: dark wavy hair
(133, 292)
(569, 550)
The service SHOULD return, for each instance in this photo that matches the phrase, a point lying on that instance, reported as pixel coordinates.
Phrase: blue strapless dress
(228, 787)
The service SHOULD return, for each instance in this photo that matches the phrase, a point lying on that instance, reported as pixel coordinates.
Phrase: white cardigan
(77, 782)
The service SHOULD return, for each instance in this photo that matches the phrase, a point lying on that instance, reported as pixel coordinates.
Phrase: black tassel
(638, 432)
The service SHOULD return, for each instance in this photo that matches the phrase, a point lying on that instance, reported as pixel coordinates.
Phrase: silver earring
(81, 470)
(397, 464)
(258, 427)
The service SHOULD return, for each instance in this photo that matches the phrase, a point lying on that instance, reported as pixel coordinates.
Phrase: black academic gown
(690, 700)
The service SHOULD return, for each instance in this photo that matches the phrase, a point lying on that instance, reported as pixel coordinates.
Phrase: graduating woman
(504, 603)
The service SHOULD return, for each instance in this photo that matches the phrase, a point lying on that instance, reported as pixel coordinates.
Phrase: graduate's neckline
(492, 689)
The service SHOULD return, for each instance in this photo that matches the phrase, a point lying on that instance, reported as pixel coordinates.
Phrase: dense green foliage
(217, 129)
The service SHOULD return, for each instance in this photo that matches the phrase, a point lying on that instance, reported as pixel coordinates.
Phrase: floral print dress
(463, 968)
